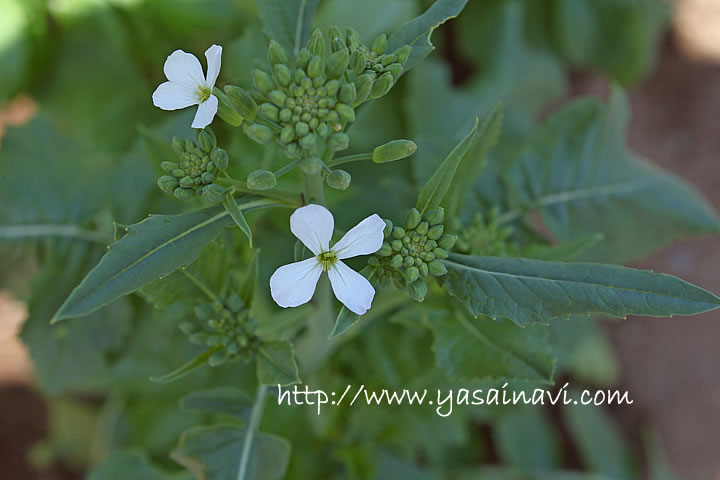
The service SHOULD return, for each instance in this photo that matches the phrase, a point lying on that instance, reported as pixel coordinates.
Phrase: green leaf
(276, 364)
(213, 453)
(527, 439)
(151, 249)
(579, 174)
(484, 349)
(432, 194)
(288, 22)
(233, 209)
(186, 369)
(565, 251)
(129, 464)
(346, 318)
(366, 20)
(524, 290)
(228, 400)
(417, 32)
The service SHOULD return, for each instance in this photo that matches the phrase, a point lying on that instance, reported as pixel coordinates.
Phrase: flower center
(327, 259)
(203, 93)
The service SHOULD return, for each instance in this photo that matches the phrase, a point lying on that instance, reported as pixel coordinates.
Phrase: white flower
(294, 284)
(188, 86)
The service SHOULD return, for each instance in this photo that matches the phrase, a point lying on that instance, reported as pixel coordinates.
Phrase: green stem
(350, 158)
(253, 424)
(282, 170)
(314, 188)
(290, 198)
(199, 283)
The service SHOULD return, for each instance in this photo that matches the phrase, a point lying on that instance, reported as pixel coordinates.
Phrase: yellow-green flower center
(203, 93)
(327, 259)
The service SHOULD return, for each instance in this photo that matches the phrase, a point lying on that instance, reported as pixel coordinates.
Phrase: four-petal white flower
(294, 284)
(188, 86)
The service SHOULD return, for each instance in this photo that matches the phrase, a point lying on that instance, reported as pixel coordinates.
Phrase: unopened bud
(363, 86)
(316, 43)
(276, 54)
(394, 150)
(345, 112)
(261, 180)
(385, 250)
(287, 134)
(358, 61)
(183, 193)
(447, 242)
(269, 111)
(205, 141)
(262, 81)
(378, 45)
(220, 158)
(397, 261)
(167, 183)
(339, 179)
(347, 93)
(440, 253)
(388, 229)
(213, 193)
(435, 217)
(277, 97)
(282, 74)
(417, 290)
(437, 268)
(260, 133)
(315, 67)
(243, 101)
(403, 53)
(337, 63)
(311, 165)
(398, 232)
(218, 358)
(382, 85)
(308, 141)
(412, 274)
(338, 142)
(168, 166)
(353, 38)
(413, 218)
(303, 58)
(226, 109)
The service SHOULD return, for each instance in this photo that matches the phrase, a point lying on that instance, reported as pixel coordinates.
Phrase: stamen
(327, 259)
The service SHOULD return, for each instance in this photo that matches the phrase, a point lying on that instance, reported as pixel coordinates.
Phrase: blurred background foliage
(90, 156)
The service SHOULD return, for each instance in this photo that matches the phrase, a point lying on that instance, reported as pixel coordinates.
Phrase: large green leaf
(366, 20)
(151, 249)
(276, 363)
(288, 21)
(213, 453)
(579, 174)
(524, 290)
(484, 349)
(417, 32)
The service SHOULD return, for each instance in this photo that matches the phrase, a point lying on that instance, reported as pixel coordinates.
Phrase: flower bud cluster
(373, 70)
(225, 325)
(306, 97)
(197, 166)
(484, 237)
(408, 255)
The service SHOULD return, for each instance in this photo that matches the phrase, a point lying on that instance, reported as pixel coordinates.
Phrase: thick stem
(314, 188)
(253, 425)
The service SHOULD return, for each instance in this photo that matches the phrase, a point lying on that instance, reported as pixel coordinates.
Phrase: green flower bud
(347, 93)
(397, 261)
(358, 61)
(282, 74)
(262, 81)
(270, 111)
(220, 158)
(338, 179)
(388, 229)
(412, 274)
(398, 232)
(308, 141)
(337, 142)
(178, 145)
(345, 112)
(190, 146)
(403, 53)
(382, 85)
(373, 261)
(332, 87)
(337, 63)
(260, 133)
(311, 165)
(427, 256)
(261, 180)
(302, 58)
(363, 85)
(183, 193)
(395, 70)
(187, 182)
(435, 217)
(397, 245)
(385, 250)
(167, 184)
(352, 38)
(422, 228)
(199, 338)
(178, 173)
(423, 270)
(207, 178)
(378, 45)
(315, 67)
(276, 54)
(277, 97)
(243, 101)
(226, 109)
(316, 43)
(394, 150)
(447, 242)
(440, 253)
(417, 290)
(334, 33)
(213, 193)
(435, 232)
(437, 268)
(301, 129)
(413, 218)
(217, 358)
(287, 134)
(168, 166)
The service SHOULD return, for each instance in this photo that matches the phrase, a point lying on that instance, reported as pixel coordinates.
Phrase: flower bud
(213, 193)
(168, 166)
(178, 145)
(413, 218)
(382, 85)
(403, 53)
(412, 274)
(337, 64)
(398, 232)
(226, 109)
(220, 158)
(358, 61)
(261, 180)
(167, 183)
(427, 257)
(435, 232)
(347, 93)
(207, 178)
(302, 58)
(338, 179)
(334, 32)
(352, 38)
(397, 245)
(183, 193)
(315, 67)
(385, 250)
(308, 141)
(311, 165)
(388, 229)
(277, 97)
(422, 228)
(269, 111)
(345, 112)
(378, 45)
(282, 74)
(395, 70)
(447, 242)
(190, 146)
(187, 182)
(262, 81)
(440, 253)
(316, 43)
(276, 54)
(397, 261)
(417, 290)
(373, 261)
(437, 268)
(287, 134)
(218, 358)
(435, 216)
(205, 141)
(394, 150)
(337, 142)
(260, 133)
(243, 101)
(363, 86)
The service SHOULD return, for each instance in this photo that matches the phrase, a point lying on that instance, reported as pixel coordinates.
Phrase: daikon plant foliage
(420, 224)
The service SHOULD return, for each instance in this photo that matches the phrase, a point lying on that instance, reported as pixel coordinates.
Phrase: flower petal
(313, 225)
(172, 96)
(294, 284)
(351, 288)
(213, 55)
(206, 112)
(184, 69)
(363, 239)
